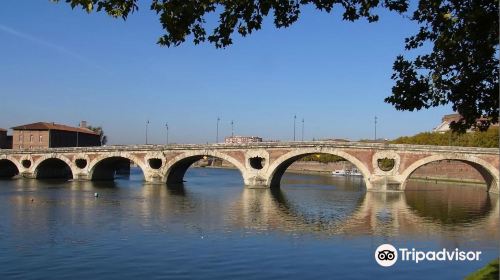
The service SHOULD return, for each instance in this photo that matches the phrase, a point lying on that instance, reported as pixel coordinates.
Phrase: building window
(40, 138)
(20, 146)
(31, 138)
(20, 137)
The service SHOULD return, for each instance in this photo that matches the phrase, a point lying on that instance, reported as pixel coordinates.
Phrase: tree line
(482, 139)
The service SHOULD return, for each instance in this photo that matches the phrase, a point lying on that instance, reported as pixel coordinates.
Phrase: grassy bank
(490, 271)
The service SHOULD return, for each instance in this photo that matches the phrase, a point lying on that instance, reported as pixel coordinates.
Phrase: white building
(242, 139)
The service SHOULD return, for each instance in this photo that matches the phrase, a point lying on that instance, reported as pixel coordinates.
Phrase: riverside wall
(442, 171)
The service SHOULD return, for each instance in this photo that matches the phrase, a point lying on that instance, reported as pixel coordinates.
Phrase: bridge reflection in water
(321, 206)
(412, 213)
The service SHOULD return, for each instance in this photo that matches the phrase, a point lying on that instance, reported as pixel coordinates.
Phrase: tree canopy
(484, 139)
(102, 137)
(461, 68)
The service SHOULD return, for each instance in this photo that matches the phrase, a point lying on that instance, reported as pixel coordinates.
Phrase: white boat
(346, 172)
(340, 172)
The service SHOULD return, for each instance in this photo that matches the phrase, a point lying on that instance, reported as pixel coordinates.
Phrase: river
(313, 227)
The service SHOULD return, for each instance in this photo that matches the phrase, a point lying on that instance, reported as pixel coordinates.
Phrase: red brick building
(51, 135)
(448, 119)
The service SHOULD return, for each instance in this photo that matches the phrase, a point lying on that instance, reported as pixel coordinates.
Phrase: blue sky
(63, 65)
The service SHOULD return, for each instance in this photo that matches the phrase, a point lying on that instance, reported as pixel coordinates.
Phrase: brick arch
(39, 161)
(92, 165)
(485, 168)
(279, 166)
(175, 168)
(6, 173)
(15, 161)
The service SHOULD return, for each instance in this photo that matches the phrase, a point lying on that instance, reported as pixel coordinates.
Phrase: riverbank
(444, 172)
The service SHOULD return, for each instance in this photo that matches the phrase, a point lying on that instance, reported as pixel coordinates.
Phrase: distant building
(444, 126)
(5, 140)
(51, 135)
(445, 122)
(242, 139)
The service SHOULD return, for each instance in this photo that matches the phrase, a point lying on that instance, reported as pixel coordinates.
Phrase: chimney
(83, 124)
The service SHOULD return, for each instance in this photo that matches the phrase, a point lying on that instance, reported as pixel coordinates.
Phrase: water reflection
(304, 205)
(451, 204)
(345, 211)
(215, 227)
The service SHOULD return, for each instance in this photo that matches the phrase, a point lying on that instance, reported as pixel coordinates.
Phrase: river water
(314, 227)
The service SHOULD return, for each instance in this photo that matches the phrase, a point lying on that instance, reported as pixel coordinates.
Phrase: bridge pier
(28, 175)
(255, 182)
(385, 184)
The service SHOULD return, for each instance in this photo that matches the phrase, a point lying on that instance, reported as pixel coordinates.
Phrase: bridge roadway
(261, 164)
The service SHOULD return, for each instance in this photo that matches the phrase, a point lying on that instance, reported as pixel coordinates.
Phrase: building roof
(53, 126)
(3, 130)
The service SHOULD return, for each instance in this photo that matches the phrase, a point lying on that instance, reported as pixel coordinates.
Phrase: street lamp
(232, 128)
(166, 125)
(375, 128)
(294, 120)
(217, 134)
(147, 124)
(302, 129)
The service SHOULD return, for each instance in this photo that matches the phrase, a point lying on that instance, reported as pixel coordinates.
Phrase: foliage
(386, 164)
(485, 139)
(183, 18)
(490, 271)
(461, 69)
(97, 129)
(323, 158)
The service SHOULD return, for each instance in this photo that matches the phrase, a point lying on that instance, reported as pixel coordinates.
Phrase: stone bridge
(261, 164)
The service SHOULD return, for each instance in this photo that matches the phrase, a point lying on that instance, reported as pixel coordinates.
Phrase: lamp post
(232, 128)
(375, 128)
(217, 134)
(166, 125)
(147, 124)
(294, 120)
(302, 129)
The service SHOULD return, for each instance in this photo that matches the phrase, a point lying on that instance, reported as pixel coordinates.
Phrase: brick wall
(30, 139)
(448, 169)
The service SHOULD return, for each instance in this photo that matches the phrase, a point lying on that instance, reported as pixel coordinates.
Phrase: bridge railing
(262, 145)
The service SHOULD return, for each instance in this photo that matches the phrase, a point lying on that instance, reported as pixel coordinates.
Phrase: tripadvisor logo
(387, 255)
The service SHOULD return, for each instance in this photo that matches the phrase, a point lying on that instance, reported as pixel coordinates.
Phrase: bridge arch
(104, 166)
(279, 166)
(487, 171)
(9, 167)
(176, 168)
(53, 166)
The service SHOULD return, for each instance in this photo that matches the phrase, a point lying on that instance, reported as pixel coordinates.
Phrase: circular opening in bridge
(386, 164)
(155, 163)
(8, 169)
(257, 162)
(81, 163)
(26, 163)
